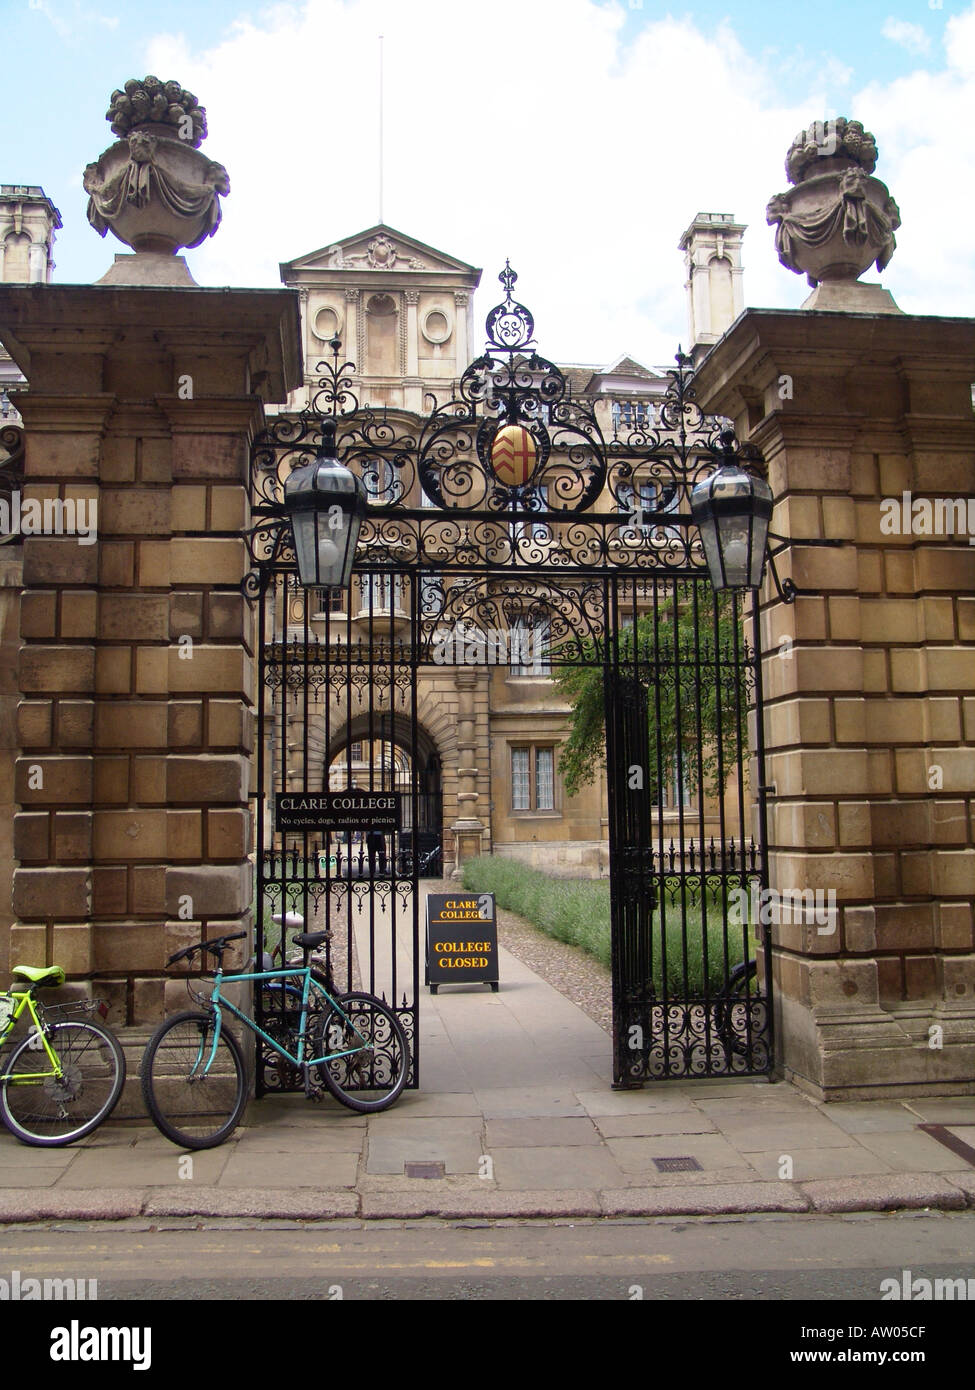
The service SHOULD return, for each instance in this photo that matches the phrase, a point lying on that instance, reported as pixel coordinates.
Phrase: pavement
(516, 1118)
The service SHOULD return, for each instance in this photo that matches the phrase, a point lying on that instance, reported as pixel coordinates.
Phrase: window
(331, 600)
(533, 779)
(536, 530)
(355, 750)
(529, 649)
(380, 591)
(632, 415)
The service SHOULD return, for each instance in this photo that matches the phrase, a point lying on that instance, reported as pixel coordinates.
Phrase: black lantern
(732, 509)
(326, 503)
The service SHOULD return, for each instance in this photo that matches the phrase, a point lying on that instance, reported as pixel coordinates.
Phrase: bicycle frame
(218, 1003)
(27, 1002)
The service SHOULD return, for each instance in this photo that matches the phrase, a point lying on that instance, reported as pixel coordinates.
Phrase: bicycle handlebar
(218, 945)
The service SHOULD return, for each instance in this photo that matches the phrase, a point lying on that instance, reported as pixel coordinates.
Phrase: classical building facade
(403, 314)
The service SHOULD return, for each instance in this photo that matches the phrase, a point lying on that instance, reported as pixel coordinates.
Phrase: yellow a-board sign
(462, 940)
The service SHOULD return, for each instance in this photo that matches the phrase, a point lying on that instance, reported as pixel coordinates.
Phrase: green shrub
(577, 911)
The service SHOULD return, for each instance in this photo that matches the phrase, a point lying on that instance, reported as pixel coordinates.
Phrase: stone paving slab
(669, 1122)
(899, 1190)
(454, 1142)
(325, 1170)
(954, 1110)
(526, 1204)
(517, 1134)
(869, 1117)
(298, 1203)
(63, 1204)
(636, 1155)
(785, 1134)
(556, 1168)
(527, 1102)
(852, 1162)
(912, 1153)
(726, 1198)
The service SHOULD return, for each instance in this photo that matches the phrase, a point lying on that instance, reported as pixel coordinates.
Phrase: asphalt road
(768, 1257)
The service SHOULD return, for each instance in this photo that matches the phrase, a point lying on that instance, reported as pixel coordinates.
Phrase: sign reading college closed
(462, 940)
(348, 810)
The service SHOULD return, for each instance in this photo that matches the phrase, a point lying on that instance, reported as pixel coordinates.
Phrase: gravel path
(566, 968)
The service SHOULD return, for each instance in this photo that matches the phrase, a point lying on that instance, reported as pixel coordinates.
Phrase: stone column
(869, 677)
(461, 304)
(350, 346)
(134, 827)
(468, 829)
(412, 298)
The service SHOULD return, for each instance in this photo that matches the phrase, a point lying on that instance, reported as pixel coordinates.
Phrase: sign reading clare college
(462, 940)
(348, 810)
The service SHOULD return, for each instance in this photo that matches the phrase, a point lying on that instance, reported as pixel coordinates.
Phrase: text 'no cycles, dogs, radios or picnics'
(342, 810)
(462, 940)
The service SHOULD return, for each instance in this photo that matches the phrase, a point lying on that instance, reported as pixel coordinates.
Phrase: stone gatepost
(864, 417)
(134, 826)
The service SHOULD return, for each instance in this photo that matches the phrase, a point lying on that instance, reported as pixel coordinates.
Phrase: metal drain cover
(425, 1170)
(677, 1165)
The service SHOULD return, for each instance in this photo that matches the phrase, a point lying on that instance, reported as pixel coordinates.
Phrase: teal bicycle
(194, 1079)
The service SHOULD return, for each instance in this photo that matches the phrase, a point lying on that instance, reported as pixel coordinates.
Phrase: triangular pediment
(379, 249)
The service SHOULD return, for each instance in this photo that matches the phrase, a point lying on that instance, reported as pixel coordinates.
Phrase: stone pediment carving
(381, 249)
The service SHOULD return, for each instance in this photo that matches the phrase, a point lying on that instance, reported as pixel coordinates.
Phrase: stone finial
(837, 219)
(153, 189)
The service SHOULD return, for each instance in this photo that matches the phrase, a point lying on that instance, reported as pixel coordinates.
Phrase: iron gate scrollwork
(510, 509)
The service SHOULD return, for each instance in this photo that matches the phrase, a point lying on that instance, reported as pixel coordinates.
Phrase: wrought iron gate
(508, 510)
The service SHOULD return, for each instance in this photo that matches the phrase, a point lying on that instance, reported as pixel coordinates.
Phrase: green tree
(697, 692)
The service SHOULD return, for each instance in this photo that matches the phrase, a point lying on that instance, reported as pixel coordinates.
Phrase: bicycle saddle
(311, 939)
(49, 975)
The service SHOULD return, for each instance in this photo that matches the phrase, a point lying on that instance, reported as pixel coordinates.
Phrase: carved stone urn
(154, 189)
(837, 220)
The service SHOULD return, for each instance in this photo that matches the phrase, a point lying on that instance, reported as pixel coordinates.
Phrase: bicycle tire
(194, 1111)
(49, 1113)
(731, 1010)
(365, 1086)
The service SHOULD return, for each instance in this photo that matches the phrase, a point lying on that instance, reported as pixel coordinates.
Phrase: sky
(576, 137)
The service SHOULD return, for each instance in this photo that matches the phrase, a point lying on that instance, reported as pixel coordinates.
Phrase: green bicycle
(194, 1079)
(66, 1075)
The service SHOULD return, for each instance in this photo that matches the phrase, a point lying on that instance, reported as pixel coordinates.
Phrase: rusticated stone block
(860, 929)
(111, 780)
(942, 719)
(32, 835)
(908, 670)
(116, 564)
(950, 668)
(954, 927)
(834, 984)
(28, 944)
(79, 609)
(905, 926)
(156, 461)
(228, 508)
(228, 616)
(72, 947)
(52, 892)
(209, 456)
(148, 889)
(211, 890)
(72, 836)
(804, 824)
(941, 567)
(184, 834)
(949, 822)
(59, 560)
(134, 834)
(224, 670)
(152, 670)
(900, 822)
(113, 671)
(185, 723)
(956, 978)
(186, 618)
(63, 781)
(953, 872)
(134, 512)
(229, 725)
(38, 614)
(122, 724)
(920, 977)
(68, 455)
(228, 834)
(154, 565)
(848, 875)
(118, 459)
(56, 670)
(209, 778)
(109, 892)
(854, 821)
(899, 572)
(209, 560)
(957, 766)
(34, 723)
(148, 1001)
(890, 977)
(134, 946)
(189, 508)
(149, 781)
(133, 618)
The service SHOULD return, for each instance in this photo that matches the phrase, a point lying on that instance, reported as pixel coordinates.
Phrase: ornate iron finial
(507, 278)
(509, 326)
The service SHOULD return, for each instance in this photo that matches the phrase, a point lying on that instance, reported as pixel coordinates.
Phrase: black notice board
(343, 810)
(462, 940)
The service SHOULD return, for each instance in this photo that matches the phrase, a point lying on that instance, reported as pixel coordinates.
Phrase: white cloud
(909, 36)
(576, 149)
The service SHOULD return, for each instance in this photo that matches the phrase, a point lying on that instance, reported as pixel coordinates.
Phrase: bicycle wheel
(194, 1108)
(48, 1111)
(371, 1077)
(735, 1012)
